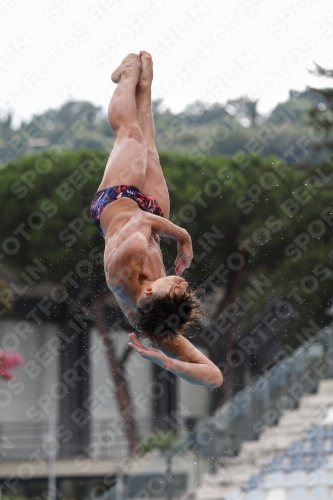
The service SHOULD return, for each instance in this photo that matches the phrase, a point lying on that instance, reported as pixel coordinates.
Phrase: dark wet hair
(163, 316)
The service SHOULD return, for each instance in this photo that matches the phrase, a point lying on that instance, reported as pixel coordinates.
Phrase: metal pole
(168, 476)
(51, 455)
(119, 482)
(330, 350)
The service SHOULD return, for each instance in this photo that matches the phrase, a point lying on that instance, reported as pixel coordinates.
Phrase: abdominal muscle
(114, 217)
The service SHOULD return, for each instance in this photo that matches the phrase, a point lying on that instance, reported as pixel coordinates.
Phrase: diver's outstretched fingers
(134, 339)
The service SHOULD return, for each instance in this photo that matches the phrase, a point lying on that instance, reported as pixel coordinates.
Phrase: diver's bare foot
(131, 64)
(146, 75)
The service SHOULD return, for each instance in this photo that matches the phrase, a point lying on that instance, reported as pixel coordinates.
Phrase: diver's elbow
(217, 381)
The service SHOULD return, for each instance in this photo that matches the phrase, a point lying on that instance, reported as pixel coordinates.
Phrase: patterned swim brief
(105, 196)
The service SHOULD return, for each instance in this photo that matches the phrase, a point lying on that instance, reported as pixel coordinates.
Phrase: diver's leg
(154, 183)
(128, 160)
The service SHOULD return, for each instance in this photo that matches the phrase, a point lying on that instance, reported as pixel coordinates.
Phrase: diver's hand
(185, 253)
(151, 353)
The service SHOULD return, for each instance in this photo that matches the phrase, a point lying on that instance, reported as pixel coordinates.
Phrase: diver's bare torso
(125, 281)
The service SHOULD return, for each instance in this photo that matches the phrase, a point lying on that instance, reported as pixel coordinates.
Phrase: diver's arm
(187, 361)
(148, 223)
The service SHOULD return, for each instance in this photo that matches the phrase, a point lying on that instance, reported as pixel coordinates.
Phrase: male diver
(131, 210)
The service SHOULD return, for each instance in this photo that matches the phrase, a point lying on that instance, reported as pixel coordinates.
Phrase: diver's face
(165, 284)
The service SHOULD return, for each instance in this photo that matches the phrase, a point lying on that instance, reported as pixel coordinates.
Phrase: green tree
(321, 114)
(244, 109)
(210, 129)
(258, 226)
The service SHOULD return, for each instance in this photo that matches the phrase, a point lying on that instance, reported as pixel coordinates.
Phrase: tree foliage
(322, 113)
(48, 198)
(209, 129)
(251, 217)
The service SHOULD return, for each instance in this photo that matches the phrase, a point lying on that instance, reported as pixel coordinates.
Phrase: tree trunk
(220, 394)
(116, 372)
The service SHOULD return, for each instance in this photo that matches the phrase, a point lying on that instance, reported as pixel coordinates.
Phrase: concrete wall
(36, 394)
(194, 398)
(33, 394)
(138, 374)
